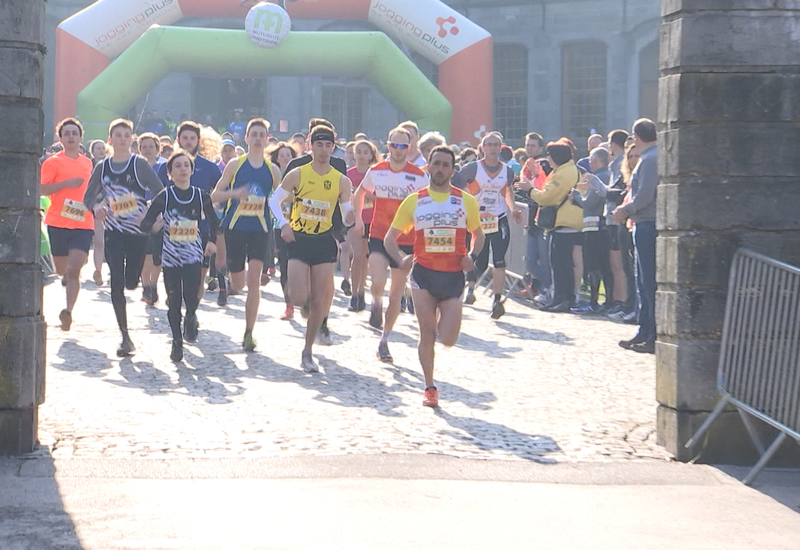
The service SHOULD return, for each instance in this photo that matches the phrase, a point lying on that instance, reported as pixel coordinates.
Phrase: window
(583, 90)
(511, 91)
(346, 107)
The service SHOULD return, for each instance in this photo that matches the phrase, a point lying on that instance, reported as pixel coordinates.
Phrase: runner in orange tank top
(438, 218)
(391, 182)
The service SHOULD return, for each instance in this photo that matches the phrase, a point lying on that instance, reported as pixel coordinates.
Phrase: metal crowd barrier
(759, 361)
(515, 256)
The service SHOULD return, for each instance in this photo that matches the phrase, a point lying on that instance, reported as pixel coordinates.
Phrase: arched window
(511, 91)
(583, 89)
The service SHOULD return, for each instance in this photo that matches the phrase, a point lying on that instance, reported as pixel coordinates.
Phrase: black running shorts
(442, 285)
(63, 240)
(243, 247)
(313, 249)
(376, 245)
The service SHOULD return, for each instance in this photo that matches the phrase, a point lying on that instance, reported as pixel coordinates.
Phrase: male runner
(440, 217)
(315, 189)
(70, 225)
(490, 180)
(205, 176)
(339, 231)
(116, 195)
(391, 182)
(245, 185)
(415, 156)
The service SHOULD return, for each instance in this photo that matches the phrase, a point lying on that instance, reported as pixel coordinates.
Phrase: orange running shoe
(288, 315)
(431, 398)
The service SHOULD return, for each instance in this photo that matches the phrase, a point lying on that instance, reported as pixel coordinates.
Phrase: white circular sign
(267, 24)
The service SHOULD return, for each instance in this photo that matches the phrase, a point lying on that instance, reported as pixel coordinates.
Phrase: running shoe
(126, 347)
(629, 318)
(177, 351)
(154, 296)
(430, 398)
(346, 288)
(222, 298)
(470, 299)
(410, 304)
(308, 363)
(498, 310)
(353, 303)
(615, 309)
(288, 315)
(629, 344)
(383, 352)
(324, 336)
(98, 278)
(212, 284)
(403, 304)
(190, 326)
(362, 302)
(248, 344)
(587, 308)
(376, 316)
(66, 319)
(644, 347)
(63, 281)
(146, 295)
(271, 271)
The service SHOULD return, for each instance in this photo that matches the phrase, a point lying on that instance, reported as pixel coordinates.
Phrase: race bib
(183, 231)
(73, 210)
(253, 206)
(316, 211)
(489, 225)
(591, 223)
(124, 205)
(440, 240)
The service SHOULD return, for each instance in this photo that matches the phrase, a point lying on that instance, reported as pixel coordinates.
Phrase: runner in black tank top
(116, 195)
(182, 207)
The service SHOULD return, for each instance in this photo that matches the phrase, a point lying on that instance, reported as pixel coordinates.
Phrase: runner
(339, 230)
(245, 185)
(440, 217)
(315, 189)
(227, 155)
(366, 156)
(150, 147)
(490, 181)
(116, 195)
(99, 151)
(281, 156)
(182, 207)
(64, 178)
(205, 176)
(391, 181)
(415, 156)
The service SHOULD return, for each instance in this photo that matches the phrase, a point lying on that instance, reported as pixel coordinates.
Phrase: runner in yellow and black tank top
(314, 201)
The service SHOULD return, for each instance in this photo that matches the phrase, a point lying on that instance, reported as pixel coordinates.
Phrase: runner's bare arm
(222, 191)
(276, 177)
(51, 188)
(345, 185)
(390, 243)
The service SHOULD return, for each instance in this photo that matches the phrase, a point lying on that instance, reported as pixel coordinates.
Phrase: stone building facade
(562, 67)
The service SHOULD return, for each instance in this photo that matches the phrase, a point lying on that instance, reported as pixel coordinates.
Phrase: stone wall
(729, 101)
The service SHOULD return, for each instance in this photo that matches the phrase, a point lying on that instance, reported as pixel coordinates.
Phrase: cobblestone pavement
(531, 386)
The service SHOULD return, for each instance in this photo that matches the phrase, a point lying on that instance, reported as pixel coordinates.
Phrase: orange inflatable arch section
(87, 42)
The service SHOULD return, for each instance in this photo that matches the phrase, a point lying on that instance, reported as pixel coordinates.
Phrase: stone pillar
(22, 328)
(729, 104)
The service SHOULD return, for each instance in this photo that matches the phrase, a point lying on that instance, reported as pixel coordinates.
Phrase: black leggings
(125, 257)
(595, 262)
(181, 282)
(498, 242)
(283, 262)
(561, 245)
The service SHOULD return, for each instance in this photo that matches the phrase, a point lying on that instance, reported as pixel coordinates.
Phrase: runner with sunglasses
(391, 182)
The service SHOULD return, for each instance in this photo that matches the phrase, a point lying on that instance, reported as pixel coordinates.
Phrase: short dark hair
(190, 126)
(119, 123)
(445, 150)
(256, 122)
(618, 137)
(179, 153)
(535, 136)
(314, 122)
(645, 129)
(67, 122)
(506, 153)
(560, 152)
(466, 152)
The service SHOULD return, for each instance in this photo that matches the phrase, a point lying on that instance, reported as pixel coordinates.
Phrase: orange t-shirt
(67, 210)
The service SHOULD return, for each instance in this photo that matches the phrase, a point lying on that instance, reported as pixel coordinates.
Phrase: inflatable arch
(162, 50)
(88, 41)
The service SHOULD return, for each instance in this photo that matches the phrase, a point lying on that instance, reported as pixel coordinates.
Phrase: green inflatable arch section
(230, 54)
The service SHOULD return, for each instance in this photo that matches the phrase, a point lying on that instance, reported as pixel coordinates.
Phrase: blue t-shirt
(238, 128)
(205, 176)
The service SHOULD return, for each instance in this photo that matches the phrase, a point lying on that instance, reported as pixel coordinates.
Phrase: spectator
(171, 125)
(537, 260)
(238, 126)
(592, 143)
(566, 233)
(590, 196)
(617, 233)
(642, 210)
(157, 125)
